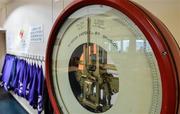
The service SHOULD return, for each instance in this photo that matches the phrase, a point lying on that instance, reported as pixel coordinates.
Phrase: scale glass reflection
(102, 63)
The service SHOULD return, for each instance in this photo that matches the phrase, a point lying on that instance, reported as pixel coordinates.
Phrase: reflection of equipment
(97, 85)
(94, 85)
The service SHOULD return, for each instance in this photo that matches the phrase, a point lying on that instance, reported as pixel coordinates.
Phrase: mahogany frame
(160, 39)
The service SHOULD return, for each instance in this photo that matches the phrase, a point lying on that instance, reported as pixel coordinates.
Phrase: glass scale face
(102, 63)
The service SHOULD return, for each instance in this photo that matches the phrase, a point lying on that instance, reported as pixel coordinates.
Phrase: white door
(2, 48)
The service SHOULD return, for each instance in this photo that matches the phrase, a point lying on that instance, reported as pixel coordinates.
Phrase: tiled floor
(8, 105)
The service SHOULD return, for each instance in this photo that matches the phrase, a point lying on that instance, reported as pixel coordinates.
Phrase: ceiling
(3, 2)
(158, 1)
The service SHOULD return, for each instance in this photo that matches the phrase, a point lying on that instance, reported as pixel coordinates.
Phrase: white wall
(168, 11)
(22, 14)
(58, 6)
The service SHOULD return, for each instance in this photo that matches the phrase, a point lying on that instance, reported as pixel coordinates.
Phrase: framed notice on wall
(37, 33)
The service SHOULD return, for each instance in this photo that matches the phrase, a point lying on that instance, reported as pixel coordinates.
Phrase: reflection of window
(122, 45)
(107, 45)
(147, 46)
(125, 45)
(118, 43)
(140, 45)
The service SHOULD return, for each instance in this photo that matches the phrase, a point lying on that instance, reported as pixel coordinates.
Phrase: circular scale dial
(102, 62)
(98, 63)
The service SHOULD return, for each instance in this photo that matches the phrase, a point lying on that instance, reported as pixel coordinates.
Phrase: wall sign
(37, 33)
